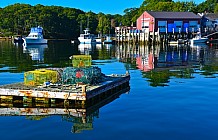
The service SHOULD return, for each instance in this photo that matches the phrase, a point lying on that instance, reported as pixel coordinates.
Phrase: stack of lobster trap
(82, 71)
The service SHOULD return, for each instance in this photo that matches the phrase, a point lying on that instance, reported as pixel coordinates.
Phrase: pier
(131, 35)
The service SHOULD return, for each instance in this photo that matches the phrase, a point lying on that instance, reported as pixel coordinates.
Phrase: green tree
(207, 6)
(216, 8)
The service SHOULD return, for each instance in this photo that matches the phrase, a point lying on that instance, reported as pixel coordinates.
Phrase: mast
(81, 28)
(87, 23)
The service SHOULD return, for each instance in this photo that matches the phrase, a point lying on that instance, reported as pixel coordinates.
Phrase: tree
(207, 6)
(216, 8)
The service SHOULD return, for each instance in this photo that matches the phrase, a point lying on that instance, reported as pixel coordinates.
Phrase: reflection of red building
(145, 63)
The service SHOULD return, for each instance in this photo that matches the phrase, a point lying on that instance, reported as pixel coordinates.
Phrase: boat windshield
(32, 35)
(87, 36)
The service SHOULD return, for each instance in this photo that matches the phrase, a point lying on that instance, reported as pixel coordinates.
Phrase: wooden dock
(81, 117)
(78, 94)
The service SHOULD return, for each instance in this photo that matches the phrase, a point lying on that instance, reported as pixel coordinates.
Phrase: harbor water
(173, 93)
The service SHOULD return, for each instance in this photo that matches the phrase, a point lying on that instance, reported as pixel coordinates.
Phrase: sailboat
(108, 39)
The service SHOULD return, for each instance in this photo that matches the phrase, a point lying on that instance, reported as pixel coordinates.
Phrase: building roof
(173, 15)
(212, 16)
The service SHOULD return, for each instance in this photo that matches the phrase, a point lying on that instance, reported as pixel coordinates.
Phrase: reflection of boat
(108, 46)
(85, 48)
(199, 45)
(177, 42)
(198, 39)
(36, 51)
(35, 36)
(98, 46)
(86, 38)
(81, 117)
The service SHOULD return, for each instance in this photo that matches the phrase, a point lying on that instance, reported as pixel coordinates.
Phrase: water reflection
(36, 51)
(86, 48)
(81, 117)
(158, 63)
(97, 51)
(161, 62)
(13, 58)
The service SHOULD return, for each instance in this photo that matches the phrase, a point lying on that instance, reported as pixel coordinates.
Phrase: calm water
(173, 93)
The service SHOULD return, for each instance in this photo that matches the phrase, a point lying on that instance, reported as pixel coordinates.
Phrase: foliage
(207, 6)
(58, 22)
(210, 70)
(216, 8)
(161, 78)
(158, 78)
(103, 24)
(64, 22)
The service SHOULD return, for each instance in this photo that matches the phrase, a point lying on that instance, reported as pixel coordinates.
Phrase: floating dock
(81, 117)
(80, 94)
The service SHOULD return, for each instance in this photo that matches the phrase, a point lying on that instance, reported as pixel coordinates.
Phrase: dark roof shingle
(174, 15)
(212, 16)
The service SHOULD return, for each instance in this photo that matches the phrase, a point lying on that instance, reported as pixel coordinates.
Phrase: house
(168, 22)
(210, 21)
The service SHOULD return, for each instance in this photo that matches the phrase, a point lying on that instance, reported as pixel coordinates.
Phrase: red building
(166, 22)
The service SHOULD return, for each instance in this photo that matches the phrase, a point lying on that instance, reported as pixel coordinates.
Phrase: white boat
(35, 36)
(86, 38)
(18, 39)
(98, 40)
(108, 40)
(198, 39)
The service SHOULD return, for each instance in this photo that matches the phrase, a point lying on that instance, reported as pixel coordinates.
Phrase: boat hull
(98, 40)
(199, 41)
(18, 40)
(108, 40)
(202, 40)
(86, 41)
(35, 41)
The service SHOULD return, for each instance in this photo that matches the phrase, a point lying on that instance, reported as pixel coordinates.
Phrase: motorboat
(86, 38)
(35, 36)
(99, 39)
(198, 39)
(108, 40)
(18, 39)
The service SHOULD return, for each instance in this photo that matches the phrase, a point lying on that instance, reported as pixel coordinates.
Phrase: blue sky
(96, 6)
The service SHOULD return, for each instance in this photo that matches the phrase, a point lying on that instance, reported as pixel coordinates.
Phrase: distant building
(168, 22)
(210, 21)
